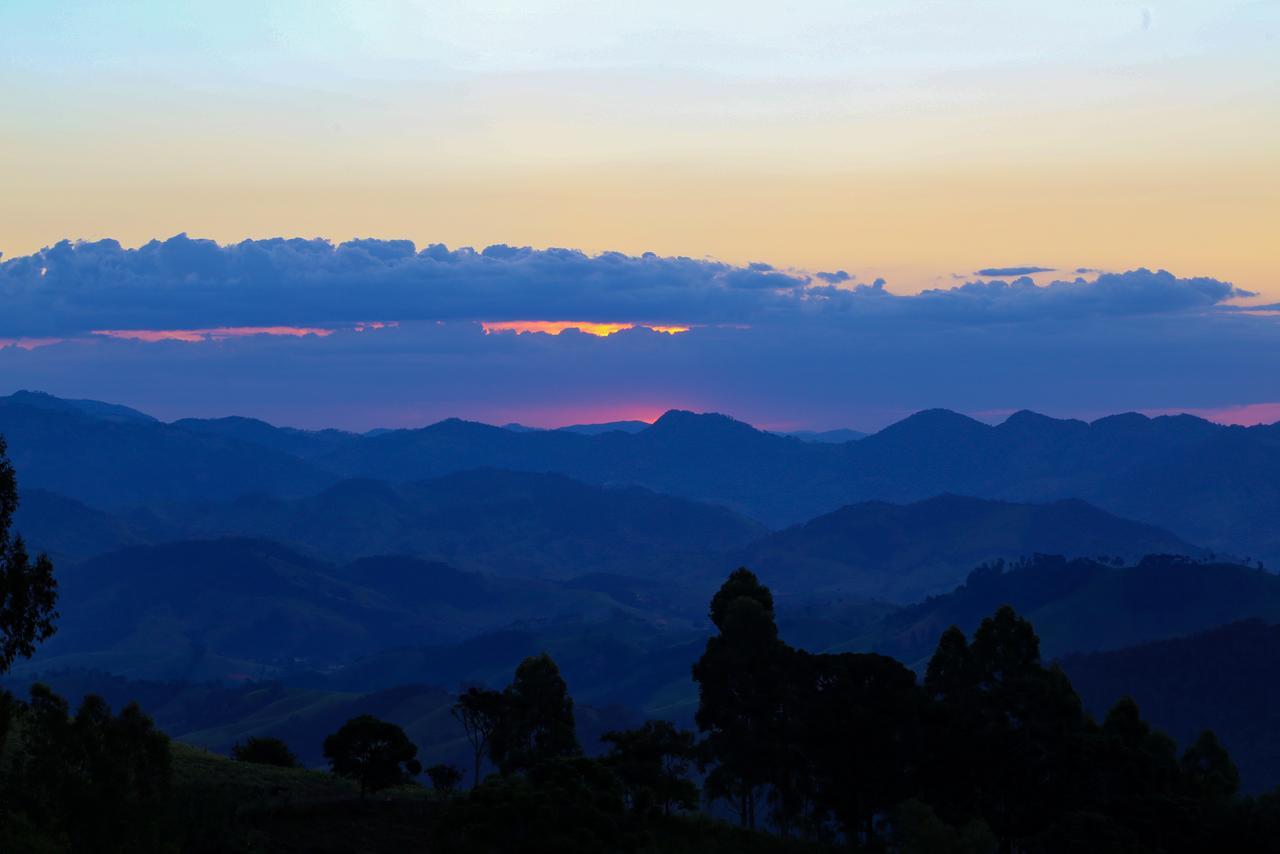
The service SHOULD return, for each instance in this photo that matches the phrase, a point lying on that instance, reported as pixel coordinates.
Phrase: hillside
(511, 523)
(237, 607)
(1086, 606)
(1222, 679)
(109, 461)
(903, 553)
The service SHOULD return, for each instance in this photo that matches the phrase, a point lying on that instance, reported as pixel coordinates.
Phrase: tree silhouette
(28, 591)
(261, 750)
(444, 778)
(537, 721)
(377, 754)
(861, 724)
(741, 680)
(1210, 773)
(480, 712)
(101, 779)
(653, 763)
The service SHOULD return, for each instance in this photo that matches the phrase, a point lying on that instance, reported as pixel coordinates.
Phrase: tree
(261, 750)
(377, 754)
(1209, 771)
(102, 780)
(742, 682)
(861, 724)
(444, 778)
(537, 722)
(28, 591)
(653, 763)
(480, 712)
(1009, 742)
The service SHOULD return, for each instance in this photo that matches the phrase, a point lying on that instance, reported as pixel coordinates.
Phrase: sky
(730, 181)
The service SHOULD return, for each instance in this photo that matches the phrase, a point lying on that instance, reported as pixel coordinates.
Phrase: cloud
(763, 344)
(1012, 271)
(73, 289)
(182, 283)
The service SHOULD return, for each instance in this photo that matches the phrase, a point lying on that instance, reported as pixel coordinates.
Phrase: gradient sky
(916, 141)
(902, 138)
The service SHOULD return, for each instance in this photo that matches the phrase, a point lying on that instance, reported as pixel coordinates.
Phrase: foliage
(652, 763)
(444, 778)
(95, 782)
(537, 722)
(376, 754)
(480, 712)
(264, 750)
(28, 591)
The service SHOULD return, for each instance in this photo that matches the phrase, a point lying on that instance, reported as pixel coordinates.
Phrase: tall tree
(480, 712)
(537, 722)
(742, 682)
(28, 591)
(377, 754)
(862, 725)
(1012, 730)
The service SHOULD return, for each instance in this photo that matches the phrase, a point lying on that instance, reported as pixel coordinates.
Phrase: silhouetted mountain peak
(684, 422)
(461, 427)
(939, 423)
(1024, 418)
(1121, 421)
(92, 408)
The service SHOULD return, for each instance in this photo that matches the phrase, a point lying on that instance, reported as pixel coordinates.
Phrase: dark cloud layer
(181, 283)
(775, 347)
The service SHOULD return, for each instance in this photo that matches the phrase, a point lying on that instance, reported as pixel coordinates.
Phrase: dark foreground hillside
(1223, 679)
(990, 751)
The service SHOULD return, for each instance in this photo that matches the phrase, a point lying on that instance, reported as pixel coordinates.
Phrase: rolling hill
(236, 607)
(903, 553)
(509, 523)
(1084, 605)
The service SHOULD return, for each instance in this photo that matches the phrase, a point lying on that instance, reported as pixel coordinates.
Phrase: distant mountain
(703, 457)
(69, 530)
(1083, 605)
(237, 607)
(1222, 679)
(115, 462)
(509, 523)
(94, 408)
(607, 427)
(1212, 485)
(1216, 486)
(301, 443)
(828, 436)
(903, 553)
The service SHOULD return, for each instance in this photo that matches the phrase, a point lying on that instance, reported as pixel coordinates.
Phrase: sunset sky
(927, 144)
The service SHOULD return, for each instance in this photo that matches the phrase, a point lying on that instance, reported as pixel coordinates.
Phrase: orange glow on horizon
(555, 327)
(220, 333)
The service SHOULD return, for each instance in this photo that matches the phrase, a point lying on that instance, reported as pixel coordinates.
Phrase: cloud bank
(182, 283)
(404, 337)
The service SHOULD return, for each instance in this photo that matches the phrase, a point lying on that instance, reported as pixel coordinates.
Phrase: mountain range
(1212, 485)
